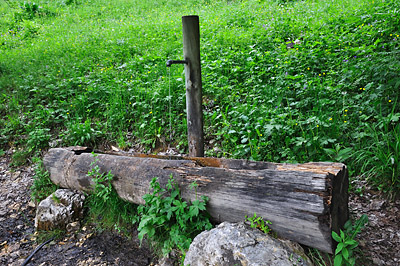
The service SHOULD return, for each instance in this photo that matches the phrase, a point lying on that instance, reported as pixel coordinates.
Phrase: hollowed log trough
(304, 202)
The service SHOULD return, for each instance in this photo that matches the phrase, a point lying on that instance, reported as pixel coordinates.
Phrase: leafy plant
(346, 241)
(42, 185)
(30, 10)
(38, 139)
(20, 157)
(168, 221)
(280, 84)
(70, 2)
(338, 154)
(106, 208)
(259, 223)
(81, 133)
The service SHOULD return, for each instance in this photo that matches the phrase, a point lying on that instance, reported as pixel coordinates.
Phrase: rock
(59, 209)
(13, 247)
(238, 244)
(31, 204)
(73, 227)
(165, 262)
(376, 205)
(55, 143)
(377, 261)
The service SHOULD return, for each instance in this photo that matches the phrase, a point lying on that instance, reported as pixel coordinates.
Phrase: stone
(15, 175)
(31, 204)
(377, 261)
(13, 247)
(239, 244)
(376, 205)
(73, 227)
(59, 209)
(165, 262)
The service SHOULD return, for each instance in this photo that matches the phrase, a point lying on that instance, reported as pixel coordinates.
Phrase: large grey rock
(59, 209)
(238, 244)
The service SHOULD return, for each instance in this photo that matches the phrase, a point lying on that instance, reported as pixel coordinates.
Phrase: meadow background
(93, 72)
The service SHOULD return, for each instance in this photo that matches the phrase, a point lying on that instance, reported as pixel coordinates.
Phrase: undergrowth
(168, 221)
(283, 81)
(106, 209)
(259, 223)
(42, 186)
(346, 242)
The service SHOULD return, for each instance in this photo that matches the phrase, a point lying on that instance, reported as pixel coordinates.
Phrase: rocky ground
(379, 241)
(18, 239)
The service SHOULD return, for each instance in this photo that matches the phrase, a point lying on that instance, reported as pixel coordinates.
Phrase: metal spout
(171, 62)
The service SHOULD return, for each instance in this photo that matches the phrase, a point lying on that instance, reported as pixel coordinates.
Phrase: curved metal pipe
(171, 62)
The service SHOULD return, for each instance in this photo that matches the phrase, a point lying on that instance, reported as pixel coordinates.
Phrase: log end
(340, 201)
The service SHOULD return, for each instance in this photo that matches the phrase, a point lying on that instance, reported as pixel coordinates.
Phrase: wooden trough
(304, 202)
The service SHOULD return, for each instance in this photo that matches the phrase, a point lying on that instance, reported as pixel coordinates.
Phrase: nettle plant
(168, 221)
(347, 243)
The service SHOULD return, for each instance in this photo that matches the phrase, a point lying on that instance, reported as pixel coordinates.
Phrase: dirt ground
(88, 247)
(379, 241)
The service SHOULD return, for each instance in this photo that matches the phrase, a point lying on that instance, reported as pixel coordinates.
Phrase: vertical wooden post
(191, 52)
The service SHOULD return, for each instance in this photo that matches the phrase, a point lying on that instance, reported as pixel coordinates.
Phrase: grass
(92, 71)
(106, 210)
(42, 186)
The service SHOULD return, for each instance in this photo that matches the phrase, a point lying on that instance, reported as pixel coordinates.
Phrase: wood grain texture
(194, 95)
(303, 201)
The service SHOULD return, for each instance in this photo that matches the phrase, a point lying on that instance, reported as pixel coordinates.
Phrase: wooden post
(191, 52)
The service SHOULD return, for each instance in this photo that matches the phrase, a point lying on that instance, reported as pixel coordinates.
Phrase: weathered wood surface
(191, 53)
(304, 202)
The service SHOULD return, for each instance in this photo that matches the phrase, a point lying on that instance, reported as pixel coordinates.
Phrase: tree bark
(304, 202)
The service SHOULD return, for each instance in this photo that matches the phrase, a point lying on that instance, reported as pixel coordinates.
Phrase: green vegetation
(318, 258)
(106, 209)
(258, 222)
(347, 243)
(168, 221)
(55, 234)
(91, 71)
(346, 252)
(42, 186)
(283, 81)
